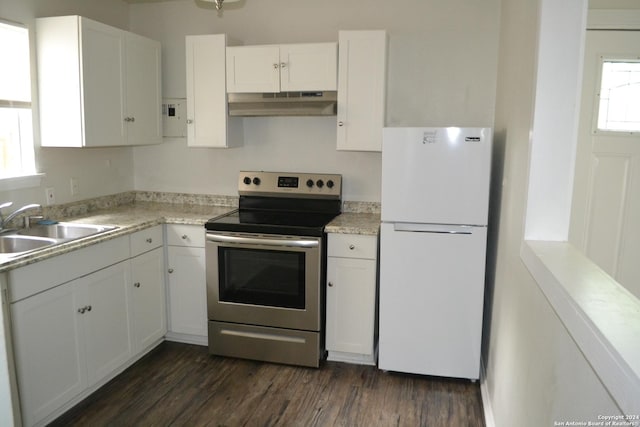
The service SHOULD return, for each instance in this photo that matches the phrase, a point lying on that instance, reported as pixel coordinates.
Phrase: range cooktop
(298, 204)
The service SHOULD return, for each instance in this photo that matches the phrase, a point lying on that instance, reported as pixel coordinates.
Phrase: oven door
(266, 280)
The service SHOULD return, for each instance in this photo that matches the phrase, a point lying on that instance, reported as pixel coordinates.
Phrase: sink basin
(18, 244)
(65, 231)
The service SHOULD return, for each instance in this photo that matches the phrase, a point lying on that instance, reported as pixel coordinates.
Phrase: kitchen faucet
(4, 221)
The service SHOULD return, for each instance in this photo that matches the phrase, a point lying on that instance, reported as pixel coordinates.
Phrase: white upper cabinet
(98, 85)
(361, 89)
(208, 124)
(280, 68)
(143, 95)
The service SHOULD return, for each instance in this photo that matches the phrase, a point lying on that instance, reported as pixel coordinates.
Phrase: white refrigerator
(433, 238)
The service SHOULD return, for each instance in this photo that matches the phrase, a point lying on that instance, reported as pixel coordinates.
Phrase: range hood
(283, 104)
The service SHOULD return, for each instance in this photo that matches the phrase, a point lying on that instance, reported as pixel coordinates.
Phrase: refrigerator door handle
(433, 228)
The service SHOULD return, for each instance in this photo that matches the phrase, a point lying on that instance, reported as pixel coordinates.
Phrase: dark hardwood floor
(182, 385)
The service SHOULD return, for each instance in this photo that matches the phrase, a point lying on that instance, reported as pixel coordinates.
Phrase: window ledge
(19, 182)
(602, 316)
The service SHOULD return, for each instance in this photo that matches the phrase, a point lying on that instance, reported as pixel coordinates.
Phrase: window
(16, 131)
(619, 105)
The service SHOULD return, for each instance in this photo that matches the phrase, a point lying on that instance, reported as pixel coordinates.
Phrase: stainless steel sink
(14, 244)
(65, 231)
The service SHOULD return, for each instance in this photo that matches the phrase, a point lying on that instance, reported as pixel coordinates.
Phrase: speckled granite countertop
(136, 216)
(128, 219)
(355, 223)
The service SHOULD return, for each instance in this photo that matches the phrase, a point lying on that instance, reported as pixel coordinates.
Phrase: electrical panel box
(174, 117)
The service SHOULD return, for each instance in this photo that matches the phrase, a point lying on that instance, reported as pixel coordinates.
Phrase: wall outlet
(50, 195)
(75, 188)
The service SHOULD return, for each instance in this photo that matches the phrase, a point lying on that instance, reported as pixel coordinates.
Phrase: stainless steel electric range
(266, 268)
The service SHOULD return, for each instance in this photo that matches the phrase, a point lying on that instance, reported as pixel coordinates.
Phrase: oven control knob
(330, 184)
(246, 180)
(256, 180)
(320, 183)
(309, 183)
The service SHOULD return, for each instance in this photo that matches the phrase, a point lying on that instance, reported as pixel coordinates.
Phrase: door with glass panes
(606, 203)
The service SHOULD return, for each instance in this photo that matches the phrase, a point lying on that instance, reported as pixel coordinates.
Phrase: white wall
(441, 71)
(535, 373)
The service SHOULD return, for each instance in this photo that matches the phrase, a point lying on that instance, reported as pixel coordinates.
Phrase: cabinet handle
(352, 247)
(330, 285)
(185, 237)
(82, 310)
(133, 119)
(170, 270)
(276, 66)
(149, 240)
(136, 285)
(283, 65)
(340, 123)
(189, 121)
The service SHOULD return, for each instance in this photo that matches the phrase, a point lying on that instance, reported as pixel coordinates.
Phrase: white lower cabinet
(147, 296)
(187, 284)
(146, 288)
(351, 298)
(70, 337)
(80, 318)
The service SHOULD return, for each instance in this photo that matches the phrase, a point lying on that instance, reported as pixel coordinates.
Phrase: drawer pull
(149, 240)
(136, 285)
(330, 285)
(170, 270)
(185, 237)
(352, 247)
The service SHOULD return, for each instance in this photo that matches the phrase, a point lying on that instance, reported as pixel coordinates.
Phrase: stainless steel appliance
(266, 266)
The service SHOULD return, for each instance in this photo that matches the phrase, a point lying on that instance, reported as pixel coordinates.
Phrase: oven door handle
(223, 238)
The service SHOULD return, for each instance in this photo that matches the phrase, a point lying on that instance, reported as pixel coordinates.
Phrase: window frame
(596, 113)
(28, 176)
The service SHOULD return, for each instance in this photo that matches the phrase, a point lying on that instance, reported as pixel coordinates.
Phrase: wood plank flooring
(182, 385)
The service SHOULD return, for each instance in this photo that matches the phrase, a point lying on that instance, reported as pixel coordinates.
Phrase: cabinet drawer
(185, 235)
(43, 275)
(352, 246)
(145, 240)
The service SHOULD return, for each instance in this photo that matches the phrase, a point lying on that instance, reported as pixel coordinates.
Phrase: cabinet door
(49, 350)
(253, 69)
(308, 67)
(208, 124)
(106, 320)
(187, 290)
(143, 116)
(361, 90)
(147, 299)
(102, 84)
(351, 293)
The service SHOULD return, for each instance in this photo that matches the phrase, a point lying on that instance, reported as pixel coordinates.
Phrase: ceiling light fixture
(219, 3)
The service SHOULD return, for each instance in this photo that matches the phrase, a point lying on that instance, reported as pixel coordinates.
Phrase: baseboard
(356, 359)
(489, 420)
(186, 338)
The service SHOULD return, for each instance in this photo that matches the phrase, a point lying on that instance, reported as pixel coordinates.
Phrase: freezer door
(436, 175)
(431, 299)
